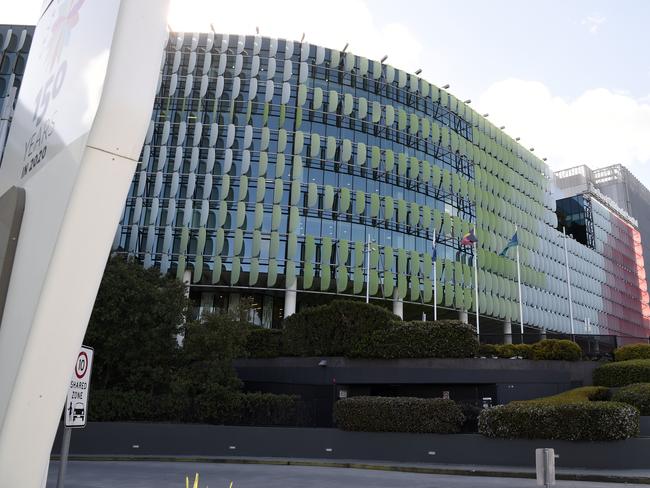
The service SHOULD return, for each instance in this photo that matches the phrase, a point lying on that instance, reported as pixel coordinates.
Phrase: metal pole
(521, 305)
(568, 283)
(63, 463)
(435, 279)
(368, 270)
(478, 328)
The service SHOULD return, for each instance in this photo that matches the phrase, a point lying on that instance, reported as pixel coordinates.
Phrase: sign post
(76, 406)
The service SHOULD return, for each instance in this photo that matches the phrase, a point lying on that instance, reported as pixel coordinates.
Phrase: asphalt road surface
(145, 474)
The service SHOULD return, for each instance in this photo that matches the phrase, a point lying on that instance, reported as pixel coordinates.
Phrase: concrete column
(462, 316)
(398, 305)
(507, 331)
(290, 300)
(542, 334)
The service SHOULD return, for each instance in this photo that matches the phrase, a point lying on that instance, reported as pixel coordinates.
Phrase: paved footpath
(149, 474)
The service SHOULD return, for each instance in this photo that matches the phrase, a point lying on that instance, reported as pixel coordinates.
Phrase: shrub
(556, 349)
(488, 350)
(263, 343)
(577, 395)
(269, 409)
(623, 373)
(514, 350)
(442, 339)
(334, 329)
(578, 421)
(632, 351)
(398, 414)
(637, 395)
(111, 406)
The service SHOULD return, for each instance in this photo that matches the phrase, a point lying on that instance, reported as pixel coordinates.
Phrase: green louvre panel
(265, 114)
(374, 205)
(219, 240)
(446, 224)
(265, 138)
(343, 251)
(302, 94)
(225, 187)
(446, 180)
(261, 189)
(465, 227)
(360, 202)
(427, 264)
(388, 284)
(312, 195)
(402, 261)
(458, 272)
(389, 160)
(341, 279)
(402, 286)
(332, 101)
(448, 270)
(308, 276)
(330, 147)
(243, 187)
(344, 200)
(318, 98)
(216, 270)
(263, 164)
(449, 295)
(198, 269)
(440, 292)
(298, 142)
(358, 280)
(362, 109)
(402, 164)
(257, 243)
(259, 216)
(426, 216)
(415, 263)
(389, 115)
(468, 300)
(468, 277)
(374, 256)
(238, 242)
(346, 150)
(455, 142)
(272, 275)
(274, 245)
(328, 199)
(401, 120)
(326, 250)
(427, 290)
(415, 289)
(348, 104)
(277, 190)
(455, 183)
(292, 246)
(290, 274)
(294, 218)
(282, 140)
(294, 196)
(437, 219)
(457, 227)
(401, 211)
(375, 157)
(414, 168)
(445, 137)
(388, 258)
(374, 282)
(414, 124)
(314, 146)
(435, 133)
(325, 277)
(296, 170)
(253, 276)
(276, 215)
(414, 215)
(425, 125)
(459, 297)
(310, 249)
(235, 271)
(389, 208)
(185, 238)
(471, 191)
(361, 154)
(241, 213)
(200, 246)
(482, 299)
(359, 253)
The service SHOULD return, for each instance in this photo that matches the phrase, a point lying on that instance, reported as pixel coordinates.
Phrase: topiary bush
(268, 409)
(632, 351)
(441, 339)
(488, 350)
(398, 414)
(508, 351)
(622, 373)
(637, 395)
(556, 349)
(334, 329)
(579, 421)
(263, 343)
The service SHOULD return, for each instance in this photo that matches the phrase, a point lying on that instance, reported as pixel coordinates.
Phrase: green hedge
(548, 349)
(579, 421)
(637, 395)
(334, 329)
(633, 351)
(442, 339)
(623, 373)
(263, 343)
(398, 414)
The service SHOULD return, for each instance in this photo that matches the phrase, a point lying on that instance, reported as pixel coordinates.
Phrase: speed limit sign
(76, 405)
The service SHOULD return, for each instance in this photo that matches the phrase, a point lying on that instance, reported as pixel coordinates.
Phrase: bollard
(545, 466)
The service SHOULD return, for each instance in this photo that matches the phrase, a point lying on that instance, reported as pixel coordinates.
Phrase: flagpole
(521, 305)
(478, 329)
(435, 280)
(368, 270)
(568, 282)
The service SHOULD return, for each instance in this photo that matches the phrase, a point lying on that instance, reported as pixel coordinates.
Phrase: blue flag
(512, 243)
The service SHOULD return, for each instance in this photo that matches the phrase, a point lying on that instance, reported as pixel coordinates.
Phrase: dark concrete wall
(210, 440)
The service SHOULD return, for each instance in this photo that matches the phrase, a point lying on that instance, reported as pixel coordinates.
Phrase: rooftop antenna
(257, 30)
(468, 101)
(212, 28)
(303, 37)
(382, 60)
(446, 86)
(345, 47)
(418, 71)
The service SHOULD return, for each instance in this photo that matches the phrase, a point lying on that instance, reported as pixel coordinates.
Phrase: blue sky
(570, 77)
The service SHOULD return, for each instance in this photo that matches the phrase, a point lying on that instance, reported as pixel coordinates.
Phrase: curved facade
(269, 163)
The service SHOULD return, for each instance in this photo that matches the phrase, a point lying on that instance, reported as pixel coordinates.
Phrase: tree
(134, 327)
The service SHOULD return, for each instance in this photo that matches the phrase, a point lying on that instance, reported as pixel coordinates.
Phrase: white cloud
(332, 24)
(593, 22)
(20, 12)
(598, 128)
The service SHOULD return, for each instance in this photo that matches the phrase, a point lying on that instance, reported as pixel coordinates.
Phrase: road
(146, 474)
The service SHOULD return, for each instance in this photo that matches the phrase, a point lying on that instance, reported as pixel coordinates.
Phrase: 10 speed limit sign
(76, 405)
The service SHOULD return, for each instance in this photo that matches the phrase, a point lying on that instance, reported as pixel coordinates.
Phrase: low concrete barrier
(162, 440)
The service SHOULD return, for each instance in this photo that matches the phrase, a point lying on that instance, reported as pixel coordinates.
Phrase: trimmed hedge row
(622, 373)
(637, 395)
(442, 339)
(579, 421)
(263, 343)
(547, 349)
(398, 414)
(632, 351)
